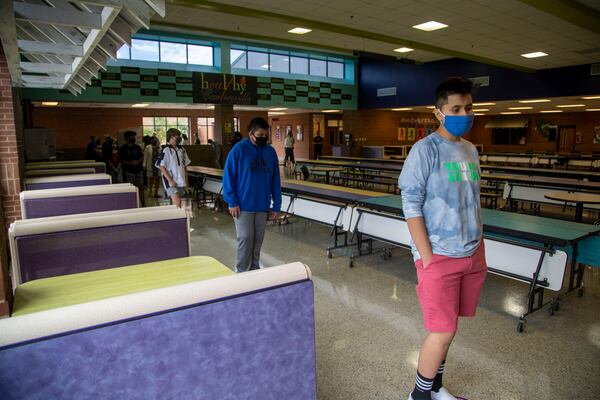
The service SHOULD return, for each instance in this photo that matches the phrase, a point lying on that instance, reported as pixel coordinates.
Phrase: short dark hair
(452, 85)
(127, 134)
(256, 124)
(173, 132)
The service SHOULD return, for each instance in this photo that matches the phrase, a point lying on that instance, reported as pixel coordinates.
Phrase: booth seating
(99, 167)
(52, 246)
(32, 173)
(186, 328)
(77, 200)
(51, 182)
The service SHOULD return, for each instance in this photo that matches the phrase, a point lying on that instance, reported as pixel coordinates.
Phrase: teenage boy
(440, 197)
(131, 157)
(250, 182)
(173, 162)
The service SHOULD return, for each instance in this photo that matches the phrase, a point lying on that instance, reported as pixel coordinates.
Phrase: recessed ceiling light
(520, 108)
(430, 26)
(479, 114)
(139, 105)
(591, 97)
(299, 31)
(510, 112)
(481, 110)
(550, 111)
(278, 109)
(50, 103)
(535, 101)
(592, 109)
(483, 104)
(535, 54)
(331, 111)
(402, 109)
(570, 105)
(403, 49)
(431, 107)
(276, 113)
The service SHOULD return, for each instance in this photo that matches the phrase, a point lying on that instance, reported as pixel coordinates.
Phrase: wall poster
(411, 134)
(401, 134)
(318, 124)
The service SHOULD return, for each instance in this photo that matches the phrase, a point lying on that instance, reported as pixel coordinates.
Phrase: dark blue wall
(416, 83)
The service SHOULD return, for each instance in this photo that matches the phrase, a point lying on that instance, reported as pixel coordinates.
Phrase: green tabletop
(66, 290)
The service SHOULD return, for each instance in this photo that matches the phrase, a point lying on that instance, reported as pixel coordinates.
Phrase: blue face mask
(458, 125)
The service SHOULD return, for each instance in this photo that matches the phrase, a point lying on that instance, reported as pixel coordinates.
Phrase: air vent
(388, 91)
(595, 70)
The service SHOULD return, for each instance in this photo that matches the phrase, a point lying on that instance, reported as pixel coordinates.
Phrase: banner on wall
(420, 133)
(224, 88)
(401, 134)
(318, 124)
(411, 134)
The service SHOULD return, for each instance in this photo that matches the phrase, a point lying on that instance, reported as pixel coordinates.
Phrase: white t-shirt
(175, 161)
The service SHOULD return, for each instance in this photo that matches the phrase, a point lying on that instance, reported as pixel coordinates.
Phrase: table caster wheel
(581, 292)
(551, 309)
(521, 325)
(329, 255)
(351, 262)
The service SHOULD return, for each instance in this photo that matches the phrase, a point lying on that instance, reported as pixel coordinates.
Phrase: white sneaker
(443, 394)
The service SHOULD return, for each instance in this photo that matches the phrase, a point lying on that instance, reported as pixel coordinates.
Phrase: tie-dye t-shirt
(440, 182)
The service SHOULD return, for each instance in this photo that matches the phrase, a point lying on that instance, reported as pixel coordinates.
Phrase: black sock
(437, 381)
(422, 390)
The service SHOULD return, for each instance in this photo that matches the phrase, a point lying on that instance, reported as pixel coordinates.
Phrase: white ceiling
(499, 30)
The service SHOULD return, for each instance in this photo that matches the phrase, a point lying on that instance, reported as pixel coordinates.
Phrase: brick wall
(11, 165)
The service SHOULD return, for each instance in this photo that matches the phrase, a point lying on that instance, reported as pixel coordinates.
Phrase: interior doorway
(566, 139)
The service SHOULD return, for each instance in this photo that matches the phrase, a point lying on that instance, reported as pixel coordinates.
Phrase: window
(318, 67)
(299, 65)
(160, 125)
(206, 129)
(173, 52)
(335, 69)
(146, 50)
(238, 58)
(200, 55)
(258, 60)
(509, 135)
(123, 52)
(280, 63)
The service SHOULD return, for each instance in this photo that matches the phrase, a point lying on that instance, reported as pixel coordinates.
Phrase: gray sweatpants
(250, 231)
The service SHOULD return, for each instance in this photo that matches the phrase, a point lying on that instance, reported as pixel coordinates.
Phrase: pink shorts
(449, 288)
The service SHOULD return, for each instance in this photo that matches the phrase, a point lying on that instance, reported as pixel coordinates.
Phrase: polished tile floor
(368, 324)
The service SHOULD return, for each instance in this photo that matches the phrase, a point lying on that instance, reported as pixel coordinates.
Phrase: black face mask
(261, 141)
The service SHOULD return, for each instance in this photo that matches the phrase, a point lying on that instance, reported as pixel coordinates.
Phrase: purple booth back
(254, 346)
(54, 185)
(70, 252)
(53, 206)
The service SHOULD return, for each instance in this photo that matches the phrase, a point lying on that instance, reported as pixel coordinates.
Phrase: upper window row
(158, 51)
(287, 64)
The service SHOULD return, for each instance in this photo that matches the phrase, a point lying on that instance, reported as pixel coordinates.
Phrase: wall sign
(224, 88)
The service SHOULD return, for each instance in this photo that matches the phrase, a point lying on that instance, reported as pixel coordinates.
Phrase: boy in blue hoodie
(250, 182)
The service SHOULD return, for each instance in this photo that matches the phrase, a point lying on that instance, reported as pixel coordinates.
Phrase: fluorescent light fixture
(535, 54)
(481, 110)
(479, 114)
(402, 109)
(430, 107)
(278, 109)
(520, 108)
(403, 50)
(592, 109)
(430, 26)
(510, 112)
(265, 66)
(550, 111)
(570, 105)
(483, 104)
(140, 105)
(210, 107)
(331, 111)
(591, 97)
(50, 103)
(299, 31)
(276, 113)
(535, 101)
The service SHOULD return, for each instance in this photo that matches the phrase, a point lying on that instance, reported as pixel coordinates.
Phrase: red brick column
(11, 167)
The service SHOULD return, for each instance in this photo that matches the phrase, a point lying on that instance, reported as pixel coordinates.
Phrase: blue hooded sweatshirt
(251, 178)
